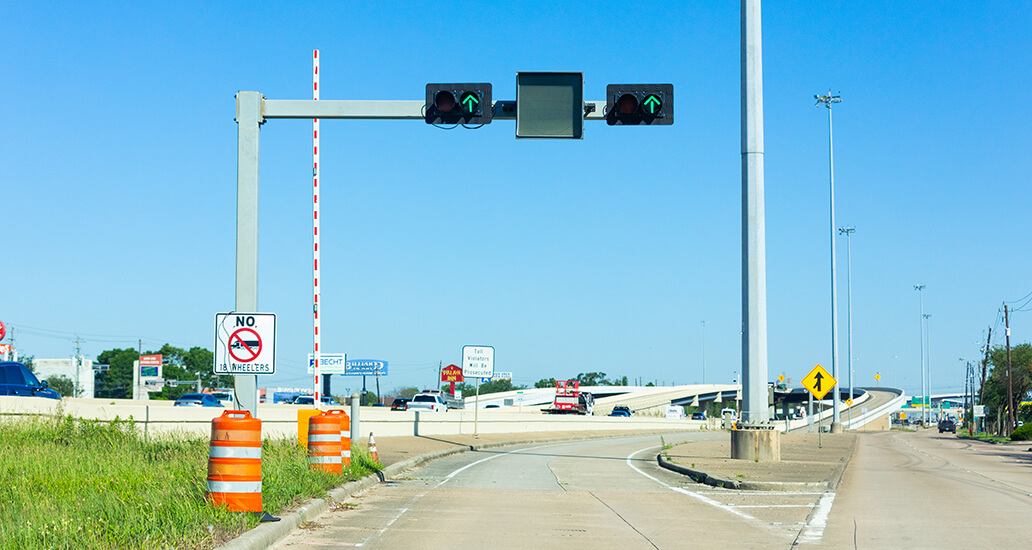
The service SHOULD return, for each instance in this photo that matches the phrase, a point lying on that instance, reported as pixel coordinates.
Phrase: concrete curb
(699, 476)
(267, 534)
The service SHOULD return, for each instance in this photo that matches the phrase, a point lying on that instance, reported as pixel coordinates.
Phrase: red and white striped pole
(315, 228)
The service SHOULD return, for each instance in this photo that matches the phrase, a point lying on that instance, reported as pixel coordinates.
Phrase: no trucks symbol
(245, 345)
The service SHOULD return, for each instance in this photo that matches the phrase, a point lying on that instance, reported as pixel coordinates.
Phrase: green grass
(71, 483)
(982, 436)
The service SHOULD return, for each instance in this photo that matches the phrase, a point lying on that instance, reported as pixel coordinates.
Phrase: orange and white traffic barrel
(372, 448)
(345, 435)
(235, 462)
(324, 443)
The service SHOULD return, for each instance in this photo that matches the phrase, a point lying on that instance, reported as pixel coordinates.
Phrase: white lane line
(702, 498)
(416, 498)
(814, 529)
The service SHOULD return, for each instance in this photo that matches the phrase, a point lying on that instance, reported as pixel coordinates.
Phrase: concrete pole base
(757, 444)
(837, 428)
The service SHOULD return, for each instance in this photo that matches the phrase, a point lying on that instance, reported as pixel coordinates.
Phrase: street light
(827, 101)
(847, 231)
(920, 290)
(928, 365)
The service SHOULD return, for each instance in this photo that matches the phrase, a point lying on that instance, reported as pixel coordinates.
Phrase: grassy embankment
(67, 483)
(982, 436)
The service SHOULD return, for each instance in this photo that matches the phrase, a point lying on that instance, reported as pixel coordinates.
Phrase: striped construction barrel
(345, 435)
(235, 462)
(324, 443)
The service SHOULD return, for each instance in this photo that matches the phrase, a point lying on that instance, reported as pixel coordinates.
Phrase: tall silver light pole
(928, 365)
(703, 351)
(836, 425)
(847, 231)
(754, 240)
(920, 290)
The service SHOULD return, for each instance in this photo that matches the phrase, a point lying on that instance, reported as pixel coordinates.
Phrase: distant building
(78, 370)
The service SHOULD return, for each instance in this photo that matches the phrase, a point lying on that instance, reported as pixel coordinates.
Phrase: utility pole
(836, 425)
(985, 362)
(847, 231)
(1010, 386)
(439, 368)
(78, 367)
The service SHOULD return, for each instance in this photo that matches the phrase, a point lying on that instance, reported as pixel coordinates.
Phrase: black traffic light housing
(458, 103)
(631, 104)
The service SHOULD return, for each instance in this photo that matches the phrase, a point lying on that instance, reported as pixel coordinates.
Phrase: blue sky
(118, 174)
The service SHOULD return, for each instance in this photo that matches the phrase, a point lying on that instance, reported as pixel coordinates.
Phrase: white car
(428, 402)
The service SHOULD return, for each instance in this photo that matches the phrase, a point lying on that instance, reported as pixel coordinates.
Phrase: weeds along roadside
(74, 483)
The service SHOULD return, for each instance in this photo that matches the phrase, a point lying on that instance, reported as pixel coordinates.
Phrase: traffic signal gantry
(547, 105)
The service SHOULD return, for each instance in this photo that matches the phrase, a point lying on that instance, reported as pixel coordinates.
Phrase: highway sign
(365, 367)
(979, 411)
(819, 382)
(781, 378)
(902, 416)
(329, 363)
(477, 361)
(245, 343)
(877, 376)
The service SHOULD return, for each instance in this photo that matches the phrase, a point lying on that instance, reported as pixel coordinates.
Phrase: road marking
(703, 498)
(416, 498)
(814, 530)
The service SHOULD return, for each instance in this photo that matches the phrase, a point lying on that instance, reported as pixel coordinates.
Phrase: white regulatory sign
(477, 361)
(979, 411)
(245, 343)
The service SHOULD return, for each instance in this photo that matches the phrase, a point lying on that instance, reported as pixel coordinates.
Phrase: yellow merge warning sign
(819, 382)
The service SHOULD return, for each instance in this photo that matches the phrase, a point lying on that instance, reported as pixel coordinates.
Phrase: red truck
(569, 399)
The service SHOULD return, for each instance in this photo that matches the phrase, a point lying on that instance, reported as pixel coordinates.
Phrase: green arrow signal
(652, 103)
(470, 102)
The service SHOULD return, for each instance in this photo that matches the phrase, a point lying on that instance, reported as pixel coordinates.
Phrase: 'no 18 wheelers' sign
(245, 343)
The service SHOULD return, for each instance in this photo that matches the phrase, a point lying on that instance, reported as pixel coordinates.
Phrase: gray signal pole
(836, 425)
(754, 262)
(847, 231)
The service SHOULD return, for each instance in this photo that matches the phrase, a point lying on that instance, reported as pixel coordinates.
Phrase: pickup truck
(428, 402)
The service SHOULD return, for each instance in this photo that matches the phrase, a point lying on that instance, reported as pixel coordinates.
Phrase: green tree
(996, 396)
(62, 384)
(28, 360)
(545, 383)
(593, 379)
(117, 381)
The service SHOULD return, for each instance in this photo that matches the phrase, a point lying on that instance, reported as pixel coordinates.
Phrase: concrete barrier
(156, 418)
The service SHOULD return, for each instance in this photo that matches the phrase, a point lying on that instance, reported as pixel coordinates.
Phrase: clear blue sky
(118, 178)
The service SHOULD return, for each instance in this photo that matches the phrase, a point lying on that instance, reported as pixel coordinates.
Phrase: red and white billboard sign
(150, 360)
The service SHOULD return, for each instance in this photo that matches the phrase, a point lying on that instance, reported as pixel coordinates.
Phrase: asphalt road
(589, 494)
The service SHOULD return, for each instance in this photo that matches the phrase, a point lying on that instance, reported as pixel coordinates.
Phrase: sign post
(819, 383)
(477, 362)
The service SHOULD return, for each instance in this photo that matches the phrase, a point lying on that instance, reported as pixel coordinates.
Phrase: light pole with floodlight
(836, 425)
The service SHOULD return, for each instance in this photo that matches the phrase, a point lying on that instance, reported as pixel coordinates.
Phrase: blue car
(17, 379)
(197, 400)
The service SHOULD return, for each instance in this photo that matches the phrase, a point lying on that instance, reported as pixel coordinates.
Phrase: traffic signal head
(458, 103)
(632, 104)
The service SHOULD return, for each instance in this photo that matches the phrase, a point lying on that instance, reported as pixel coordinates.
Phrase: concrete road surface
(588, 494)
(926, 490)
